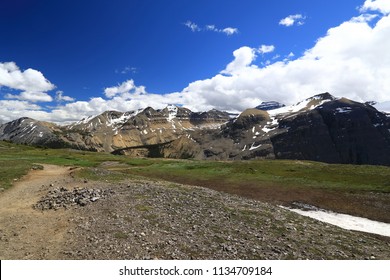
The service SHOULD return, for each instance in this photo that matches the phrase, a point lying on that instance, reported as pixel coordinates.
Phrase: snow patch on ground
(346, 221)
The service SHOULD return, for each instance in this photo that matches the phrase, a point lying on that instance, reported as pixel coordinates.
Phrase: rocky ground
(157, 220)
(145, 219)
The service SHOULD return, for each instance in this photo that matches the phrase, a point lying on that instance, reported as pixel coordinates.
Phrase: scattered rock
(63, 198)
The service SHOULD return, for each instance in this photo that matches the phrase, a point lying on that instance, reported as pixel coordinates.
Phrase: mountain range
(320, 128)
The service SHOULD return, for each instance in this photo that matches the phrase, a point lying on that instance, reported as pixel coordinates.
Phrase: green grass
(270, 172)
(16, 160)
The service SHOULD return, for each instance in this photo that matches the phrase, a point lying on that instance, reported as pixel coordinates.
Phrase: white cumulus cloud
(351, 60)
(229, 31)
(382, 6)
(297, 19)
(243, 57)
(61, 97)
(266, 49)
(31, 82)
(31, 96)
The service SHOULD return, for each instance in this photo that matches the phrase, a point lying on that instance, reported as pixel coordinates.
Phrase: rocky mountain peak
(269, 105)
(322, 128)
(322, 96)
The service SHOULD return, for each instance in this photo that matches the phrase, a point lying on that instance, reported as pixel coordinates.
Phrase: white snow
(344, 110)
(297, 107)
(121, 119)
(85, 120)
(273, 124)
(244, 148)
(254, 147)
(266, 130)
(346, 221)
(145, 131)
(189, 137)
(40, 134)
(172, 112)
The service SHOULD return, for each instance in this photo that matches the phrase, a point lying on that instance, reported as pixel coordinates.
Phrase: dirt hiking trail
(26, 233)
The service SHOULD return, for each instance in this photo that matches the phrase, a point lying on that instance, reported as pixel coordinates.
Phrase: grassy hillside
(352, 189)
(16, 160)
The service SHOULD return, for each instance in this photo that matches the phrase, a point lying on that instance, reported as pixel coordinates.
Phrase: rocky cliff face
(320, 128)
(341, 131)
(32, 132)
(112, 131)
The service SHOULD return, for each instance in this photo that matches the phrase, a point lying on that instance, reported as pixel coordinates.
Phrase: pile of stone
(64, 198)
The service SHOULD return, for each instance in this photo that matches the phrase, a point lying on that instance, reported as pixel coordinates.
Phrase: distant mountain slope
(321, 128)
(113, 130)
(32, 132)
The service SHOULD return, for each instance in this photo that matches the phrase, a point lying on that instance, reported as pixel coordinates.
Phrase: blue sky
(63, 60)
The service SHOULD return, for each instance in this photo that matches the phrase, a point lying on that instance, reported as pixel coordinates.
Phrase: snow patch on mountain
(344, 110)
(307, 104)
(172, 111)
(253, 147)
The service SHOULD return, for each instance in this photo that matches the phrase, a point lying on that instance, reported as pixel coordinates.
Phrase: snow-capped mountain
(321, 128)
(114, 130)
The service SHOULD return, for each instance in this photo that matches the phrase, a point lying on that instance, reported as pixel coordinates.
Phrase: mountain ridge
(320, 128)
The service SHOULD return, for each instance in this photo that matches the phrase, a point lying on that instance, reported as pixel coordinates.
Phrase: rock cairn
(64, 198)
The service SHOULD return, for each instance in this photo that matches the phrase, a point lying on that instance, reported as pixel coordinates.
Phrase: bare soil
(24, 232)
